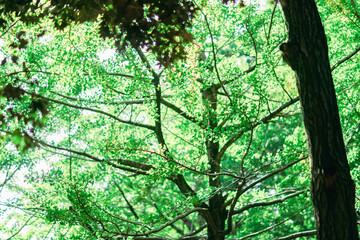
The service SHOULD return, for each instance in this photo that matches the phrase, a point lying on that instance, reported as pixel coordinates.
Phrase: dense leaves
(159, 26)
(124, 147)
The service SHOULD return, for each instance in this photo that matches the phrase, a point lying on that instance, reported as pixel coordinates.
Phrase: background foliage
(80, 155)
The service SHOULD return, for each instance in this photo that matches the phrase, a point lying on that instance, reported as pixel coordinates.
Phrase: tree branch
(298, 234)
(251, 185)
(21, 228)
(214, 56)
(127, 202)
(268, 203)
(140, 168)
(126, 102)
(271, 22)
(178, 230)
(277, 111)
(345, 58)
(178, 179)
(265, 119)
(93, 110)
(182, 113)
(271, 227)
(169, 223)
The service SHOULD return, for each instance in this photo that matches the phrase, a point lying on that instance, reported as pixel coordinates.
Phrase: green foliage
(88, 115)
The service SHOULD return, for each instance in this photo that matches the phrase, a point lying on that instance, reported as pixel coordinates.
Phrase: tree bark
(217, 211)
(332, 189)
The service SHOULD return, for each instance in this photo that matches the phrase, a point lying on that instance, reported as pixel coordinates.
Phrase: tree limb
(265, 119)
(126, 102)
(345, 58)
(251, 185)
(267, 203)
(21, 228)
(140, 168)
(214, 57)
(93, 110)
(269, 228)
(298, 234)
(127, 202)
(182, 113)
(164, 225)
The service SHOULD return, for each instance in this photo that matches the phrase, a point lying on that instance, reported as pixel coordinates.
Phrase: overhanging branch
(268, 203)
(93, 110)
(345, 58)
(182, 113)
(298, 234)
(136, 167)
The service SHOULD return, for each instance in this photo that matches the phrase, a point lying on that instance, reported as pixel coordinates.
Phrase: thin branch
(345, 58)
(178, 230)
(214, 56)
(251, 185)
(251, 68)
(22, 227)
(263, 120)
(182, 238)
(3, 34)
(268, 203)
(246, 152)
(232, 139)
(149, 238)
(194, 232)
(87, 212)
(169, 223)
(298, 234)
(127, 202)
(232, 207)
(31, 71)
(121, 219)
(93, 110)
(139, 167)
(59, 74)
(276, 112)
(8, 177)
(271, 227)
(126, 102)
(270, 116)
(119, 74)
(182, 113)
(271, 21)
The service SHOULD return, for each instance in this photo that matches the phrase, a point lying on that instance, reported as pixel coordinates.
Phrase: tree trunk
(332, 189)
(218, 213)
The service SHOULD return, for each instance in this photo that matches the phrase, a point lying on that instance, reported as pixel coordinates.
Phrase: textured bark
(217, 211)
(332, 189)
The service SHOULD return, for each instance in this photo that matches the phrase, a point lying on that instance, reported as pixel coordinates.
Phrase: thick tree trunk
(332, 189)
(218, 214)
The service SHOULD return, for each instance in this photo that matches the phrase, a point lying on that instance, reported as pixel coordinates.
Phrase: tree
(189, 151)
(333, 190)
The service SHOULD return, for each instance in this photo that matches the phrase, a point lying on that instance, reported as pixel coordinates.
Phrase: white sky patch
(106, 54)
